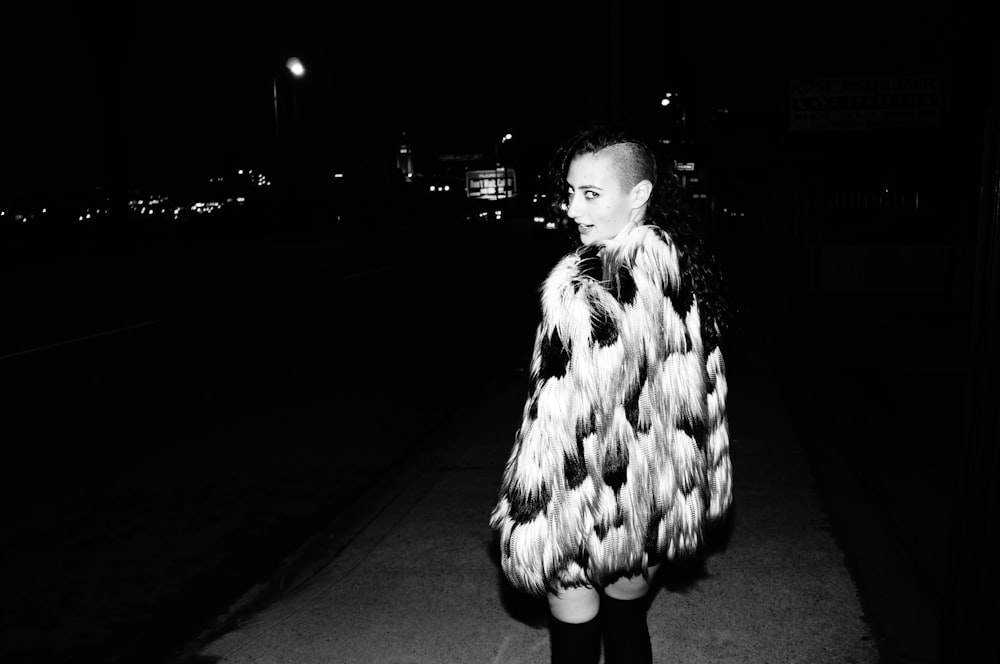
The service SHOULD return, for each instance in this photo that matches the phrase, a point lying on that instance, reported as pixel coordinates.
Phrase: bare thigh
(575, 605)
(579, 605)
(632, 587)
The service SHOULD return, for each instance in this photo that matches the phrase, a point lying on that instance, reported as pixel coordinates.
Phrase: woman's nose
(573, 209)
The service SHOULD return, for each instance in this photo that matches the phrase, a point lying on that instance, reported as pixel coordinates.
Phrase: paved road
(177, 431)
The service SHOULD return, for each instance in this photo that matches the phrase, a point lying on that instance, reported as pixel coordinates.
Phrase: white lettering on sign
(877, 102)
(491, 184)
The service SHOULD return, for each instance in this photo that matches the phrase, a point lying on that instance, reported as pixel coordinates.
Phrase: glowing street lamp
(298, 70)
(295, 66)
(673, 99)
(501, 171)
(503, 139)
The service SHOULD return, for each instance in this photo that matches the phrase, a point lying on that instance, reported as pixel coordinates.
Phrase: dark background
(144, 470)
(185, 88)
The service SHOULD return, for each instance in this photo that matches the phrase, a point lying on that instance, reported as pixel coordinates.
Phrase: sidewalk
(416, 578)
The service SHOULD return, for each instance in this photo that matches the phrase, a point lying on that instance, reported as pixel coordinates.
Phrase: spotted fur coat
(622, 456)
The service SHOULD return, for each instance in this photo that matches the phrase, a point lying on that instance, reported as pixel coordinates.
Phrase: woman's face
(597, 203)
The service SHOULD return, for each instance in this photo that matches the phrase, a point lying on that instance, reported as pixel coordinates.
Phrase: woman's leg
(575, 605)
(623, 618)
(575, 629)
(631, 587)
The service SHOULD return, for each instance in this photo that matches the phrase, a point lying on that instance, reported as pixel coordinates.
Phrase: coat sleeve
(547, 491)
(719, 471)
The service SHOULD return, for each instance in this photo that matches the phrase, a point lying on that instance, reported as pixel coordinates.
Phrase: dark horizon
(189, 89)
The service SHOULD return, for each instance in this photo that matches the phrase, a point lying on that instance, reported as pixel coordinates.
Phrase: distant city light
(240, 199)
(432, 187)
(664, 102)
(44, 210)
(239, 172)
(447, 188)
(338, 175)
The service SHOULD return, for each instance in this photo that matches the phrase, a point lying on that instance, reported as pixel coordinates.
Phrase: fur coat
(622, 456)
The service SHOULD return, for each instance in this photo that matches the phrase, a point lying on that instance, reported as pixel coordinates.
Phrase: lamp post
(676, 116)
(501, 170)
(284, 183)
(293, 65)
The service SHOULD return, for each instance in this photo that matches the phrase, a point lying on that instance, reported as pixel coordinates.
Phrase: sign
(865, 103)
(464, 156)
(491, 184)
(684, 165)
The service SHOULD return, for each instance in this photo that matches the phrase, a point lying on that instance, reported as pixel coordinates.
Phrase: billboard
(860, 103)
(491, 184)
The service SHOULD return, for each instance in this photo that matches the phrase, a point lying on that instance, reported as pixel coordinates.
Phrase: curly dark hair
(667, 208)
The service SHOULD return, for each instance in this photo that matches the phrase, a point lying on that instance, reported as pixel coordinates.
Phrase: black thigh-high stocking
(575, 643)
(626, 633)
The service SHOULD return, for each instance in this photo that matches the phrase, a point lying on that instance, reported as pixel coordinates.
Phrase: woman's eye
(590, 195)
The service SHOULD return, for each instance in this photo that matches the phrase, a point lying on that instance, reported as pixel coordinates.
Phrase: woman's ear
(640, 193)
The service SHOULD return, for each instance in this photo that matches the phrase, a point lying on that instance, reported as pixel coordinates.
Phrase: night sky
(187, 86)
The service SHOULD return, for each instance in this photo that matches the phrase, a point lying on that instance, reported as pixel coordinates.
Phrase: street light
(287, 158)
(295, 66)
(676, 115)
(501, 171)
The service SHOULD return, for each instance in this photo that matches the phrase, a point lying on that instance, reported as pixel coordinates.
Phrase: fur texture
(623, 450)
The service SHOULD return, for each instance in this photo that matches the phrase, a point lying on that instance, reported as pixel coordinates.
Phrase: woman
(622, 456)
